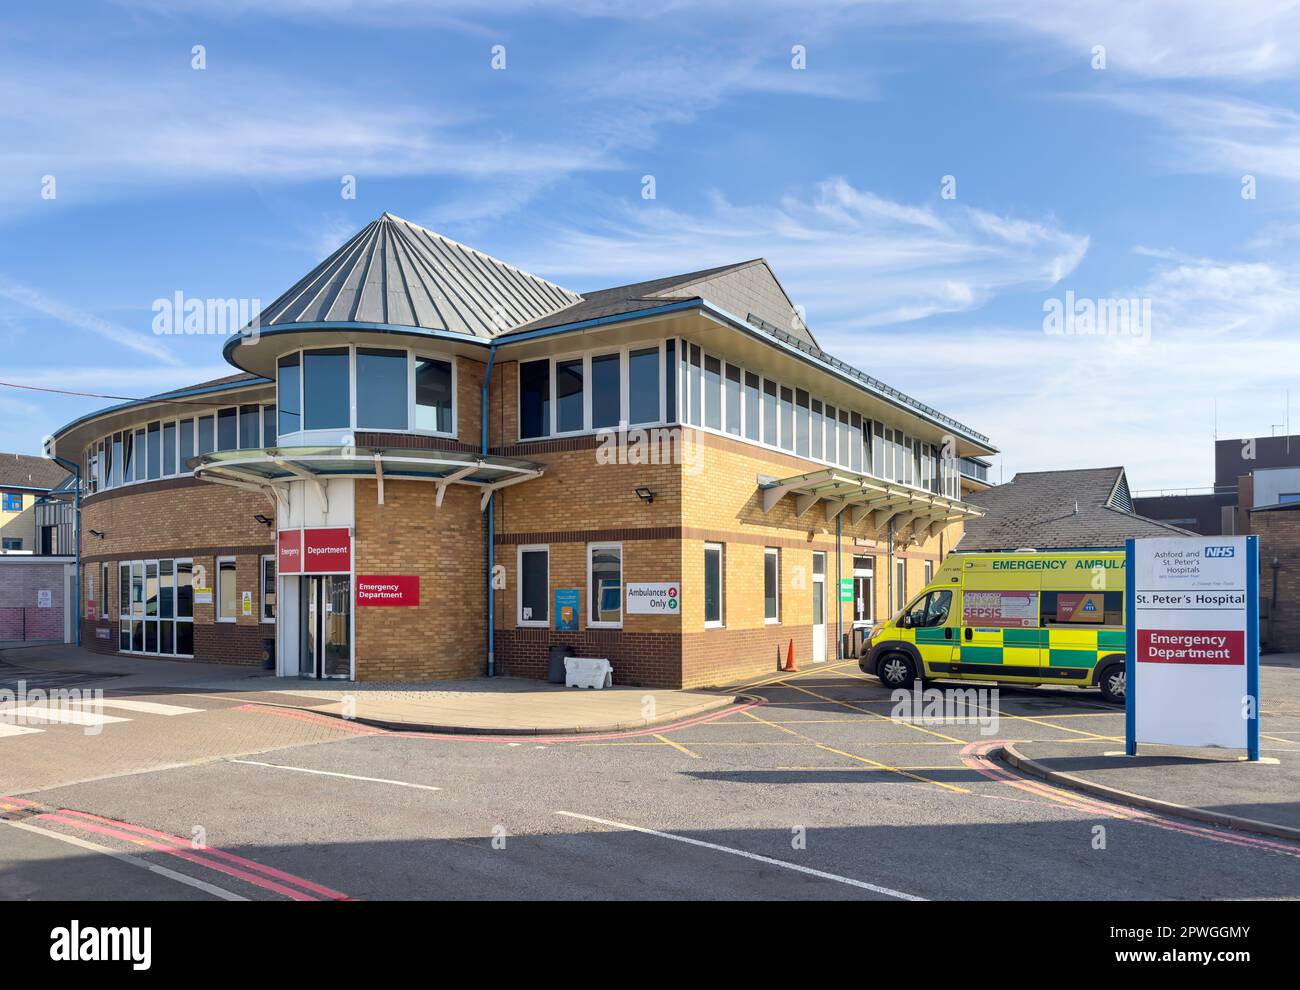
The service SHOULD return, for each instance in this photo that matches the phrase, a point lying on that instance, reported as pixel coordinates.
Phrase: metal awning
(270, 470)
(915, 513)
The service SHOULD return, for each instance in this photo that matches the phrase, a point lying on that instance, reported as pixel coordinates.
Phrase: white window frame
(622, 585)
(519, 589)
(776, 552)
(218, 589)
(266, 558)
(721, 621)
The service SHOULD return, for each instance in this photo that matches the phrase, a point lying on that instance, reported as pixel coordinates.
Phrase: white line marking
(146, 707)
(15, 730)
(328, 773)
(44, 713)
(162, 871)
(888, 892)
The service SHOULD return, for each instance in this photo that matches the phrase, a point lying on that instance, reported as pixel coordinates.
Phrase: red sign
(290, 558)
(392, 590)
(90, 609)
(326, 551)
(1213, 647)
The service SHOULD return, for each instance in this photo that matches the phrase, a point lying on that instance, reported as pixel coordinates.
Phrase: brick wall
(1279, 537)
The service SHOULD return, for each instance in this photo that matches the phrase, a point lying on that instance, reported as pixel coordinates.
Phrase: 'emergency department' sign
(1193, 642)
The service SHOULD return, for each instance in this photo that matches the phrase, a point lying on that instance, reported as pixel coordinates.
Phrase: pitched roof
(1057, 510)
(26, 471)
(747, 289)
(396, 272)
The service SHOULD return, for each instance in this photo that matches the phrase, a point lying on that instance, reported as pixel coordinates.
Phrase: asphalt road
(814, 793)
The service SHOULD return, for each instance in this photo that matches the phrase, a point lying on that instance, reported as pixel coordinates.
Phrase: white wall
(1271, 483)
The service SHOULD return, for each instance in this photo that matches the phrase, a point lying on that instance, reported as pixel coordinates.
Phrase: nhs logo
(1220, 552)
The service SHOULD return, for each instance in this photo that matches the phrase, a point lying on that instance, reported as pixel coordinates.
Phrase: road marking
(69, 716)
(677, 746)
(821, 874)
(145, 707)
(330, 773)
(6, 729)
(162, 871)
(865, 711)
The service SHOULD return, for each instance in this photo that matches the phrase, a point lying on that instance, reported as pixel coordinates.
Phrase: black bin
(555, 668)
(268, 654)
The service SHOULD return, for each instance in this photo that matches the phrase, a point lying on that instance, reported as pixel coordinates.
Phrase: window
(535, 399)
(670, 381)
(207, 436)
(1082, 608)
(325, 389)
(801, 422)
(227, 430)
(155, 606)
(227, 593)
(831, 443)
(695, 379)
(433, 395)
(769, 413)
(771, 584)
(117, 458)
(606, 391)
(568, 396)
(712, 393)
(169, 449)
(13, 502)
(731, 388)
(929, 571)
(268, 588)
(11, 543)
(752, 407)
(187, 442)
(103, 591)
(250, 427)
(929, 610)
(844, 455)
(534, 566)
(381, 389)
(155, 450)
(787, 418)
(713, 584)
(268, 426)
(643, 385)
(605, 584)
(855, 442)
(816, 445)
(900, 583)
(290, 394)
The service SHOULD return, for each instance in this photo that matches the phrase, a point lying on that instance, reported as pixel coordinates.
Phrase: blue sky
(1117, 182)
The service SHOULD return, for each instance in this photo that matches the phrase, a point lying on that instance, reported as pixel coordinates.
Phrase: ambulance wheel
(896, 670)
(1112, 680)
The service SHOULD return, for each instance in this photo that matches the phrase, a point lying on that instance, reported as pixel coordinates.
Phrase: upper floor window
(599, 391)
(325, 389)
(433, 392)
(13, 502)
(381, 389)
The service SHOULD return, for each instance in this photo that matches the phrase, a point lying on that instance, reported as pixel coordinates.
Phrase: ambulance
(1023, 617)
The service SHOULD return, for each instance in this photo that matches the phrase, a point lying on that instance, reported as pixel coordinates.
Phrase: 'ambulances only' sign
(1193, 635)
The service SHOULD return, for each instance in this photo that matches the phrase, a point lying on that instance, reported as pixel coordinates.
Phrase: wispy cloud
(853, 258)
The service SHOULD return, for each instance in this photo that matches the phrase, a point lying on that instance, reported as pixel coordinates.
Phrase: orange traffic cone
(789, 660)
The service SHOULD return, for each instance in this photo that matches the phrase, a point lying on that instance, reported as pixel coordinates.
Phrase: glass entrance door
(325, 638)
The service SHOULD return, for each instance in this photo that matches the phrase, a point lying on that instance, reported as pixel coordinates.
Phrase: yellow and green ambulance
(1024, 617)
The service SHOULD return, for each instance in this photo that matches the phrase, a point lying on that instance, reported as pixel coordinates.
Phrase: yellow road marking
(677, 746)
(864, 711)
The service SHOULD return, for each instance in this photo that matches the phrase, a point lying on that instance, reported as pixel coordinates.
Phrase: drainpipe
(839, 605)
(491, 528)
(76, 536)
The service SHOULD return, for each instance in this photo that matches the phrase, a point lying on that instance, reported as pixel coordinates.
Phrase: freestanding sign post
(1192, 673)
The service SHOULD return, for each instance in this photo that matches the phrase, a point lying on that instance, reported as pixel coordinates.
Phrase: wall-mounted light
(645, 494)
(96, 533)
(264, 520)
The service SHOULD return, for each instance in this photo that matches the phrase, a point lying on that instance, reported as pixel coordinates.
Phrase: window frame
(721, 621)
(591, 549)
(774, 620)
(217, 588)
(267, 558)
(520, 621)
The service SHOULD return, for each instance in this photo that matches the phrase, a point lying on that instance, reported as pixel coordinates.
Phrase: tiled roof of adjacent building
(1059, 510)
(26, 471)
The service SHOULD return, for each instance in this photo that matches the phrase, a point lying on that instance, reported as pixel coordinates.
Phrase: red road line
(344, 725)
(975, 757)
(270, 871)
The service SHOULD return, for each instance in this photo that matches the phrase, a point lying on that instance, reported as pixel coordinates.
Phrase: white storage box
(587, 672)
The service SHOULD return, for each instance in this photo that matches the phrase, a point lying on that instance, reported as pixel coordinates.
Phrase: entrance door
(325, 617)
(819, 608)
(863, 590)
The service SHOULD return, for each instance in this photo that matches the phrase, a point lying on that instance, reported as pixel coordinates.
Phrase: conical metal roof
(399, 273)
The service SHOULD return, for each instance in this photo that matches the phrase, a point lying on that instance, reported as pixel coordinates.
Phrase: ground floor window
(227, 593)
(900, 584)
(268, 588)
(155, 610)
(771, 584)
(863, 590)
(713, 584)
(534, 586)
(12, 543)
(605, 584)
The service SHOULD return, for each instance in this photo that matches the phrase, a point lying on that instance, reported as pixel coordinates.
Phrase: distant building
(1278, 528)
(25, 483)
(1086, 509)
(1249, 473)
